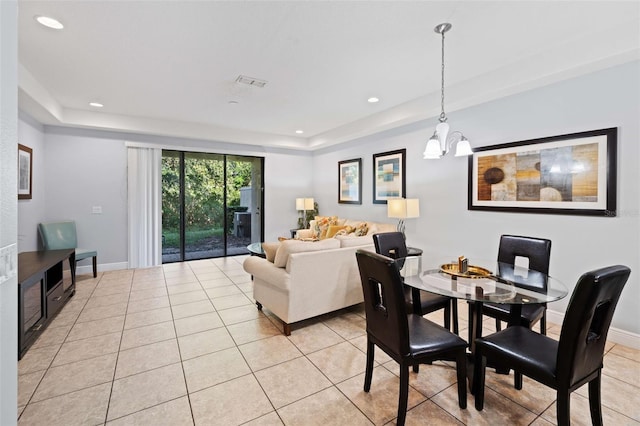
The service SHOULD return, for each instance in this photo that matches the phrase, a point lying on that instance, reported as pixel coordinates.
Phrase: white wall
(8, 211)
(81, 169)
(33, 211)
(609, 98)
(87, 168)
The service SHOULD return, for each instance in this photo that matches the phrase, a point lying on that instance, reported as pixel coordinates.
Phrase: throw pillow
(346, 231)
(322, 225)
(270, 250)
(334, 229)
(361, 229)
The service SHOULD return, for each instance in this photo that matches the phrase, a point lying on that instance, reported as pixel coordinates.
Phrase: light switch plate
(96, 210)
(8, 262)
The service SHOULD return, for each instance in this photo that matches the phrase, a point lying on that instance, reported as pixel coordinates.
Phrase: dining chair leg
(461, 370)
(369, 367)
(416, 368)
(517, 380)
(562, 407)
(543, 323)
(477, 388)
(403, 394)
(595, 400)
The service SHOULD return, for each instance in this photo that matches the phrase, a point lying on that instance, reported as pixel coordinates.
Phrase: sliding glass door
(211, 204)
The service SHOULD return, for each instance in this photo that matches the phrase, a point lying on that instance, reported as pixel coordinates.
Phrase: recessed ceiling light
(373, 100)
(96, 104)
(299, 132)
(49, 22)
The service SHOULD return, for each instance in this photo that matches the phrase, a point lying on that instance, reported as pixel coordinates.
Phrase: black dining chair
(569, 363)
(538, 252)
(408, 338)
(392, 244)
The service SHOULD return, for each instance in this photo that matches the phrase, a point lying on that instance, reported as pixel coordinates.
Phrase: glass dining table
(480, 281)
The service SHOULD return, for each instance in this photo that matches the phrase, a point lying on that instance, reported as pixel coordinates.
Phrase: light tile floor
(183, 344)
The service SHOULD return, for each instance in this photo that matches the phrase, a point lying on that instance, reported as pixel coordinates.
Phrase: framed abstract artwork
(350, 181)
(25, 173)
(389, 175)
(572, 174)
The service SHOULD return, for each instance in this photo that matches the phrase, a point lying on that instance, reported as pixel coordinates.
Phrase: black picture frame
(389, 175)
(572, 174)
(350, 181)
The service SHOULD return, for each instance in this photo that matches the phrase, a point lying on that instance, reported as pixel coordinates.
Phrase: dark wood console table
(42, 291)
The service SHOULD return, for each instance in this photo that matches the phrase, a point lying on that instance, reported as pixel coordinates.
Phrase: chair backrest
(586, 322)
(384, 302)
(390, 244)
(58, 235)
(537, 250)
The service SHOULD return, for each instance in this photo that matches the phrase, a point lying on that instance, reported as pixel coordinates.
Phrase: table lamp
(304, 204)
(401, 209)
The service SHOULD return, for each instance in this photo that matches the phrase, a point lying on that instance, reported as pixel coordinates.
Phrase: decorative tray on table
(471, 272)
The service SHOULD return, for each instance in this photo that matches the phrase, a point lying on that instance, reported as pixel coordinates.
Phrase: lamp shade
(304, 203)
(401, 208)
(463, 148)
(432, 151)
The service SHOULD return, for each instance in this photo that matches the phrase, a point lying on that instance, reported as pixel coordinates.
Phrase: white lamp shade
(401, 208)
(432, 151)
(304, 203)
(413, 207)
(463, 148)
(308, 204)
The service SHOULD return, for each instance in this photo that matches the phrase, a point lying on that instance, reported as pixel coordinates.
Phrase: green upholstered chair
(62, 235)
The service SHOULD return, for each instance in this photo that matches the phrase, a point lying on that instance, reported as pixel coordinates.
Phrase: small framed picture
(25, 173)
(389, 176)
(350, 181)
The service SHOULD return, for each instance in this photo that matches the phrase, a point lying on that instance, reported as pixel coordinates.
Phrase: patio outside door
(211, 204)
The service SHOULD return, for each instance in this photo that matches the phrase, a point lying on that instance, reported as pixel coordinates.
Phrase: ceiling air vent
(243, 79)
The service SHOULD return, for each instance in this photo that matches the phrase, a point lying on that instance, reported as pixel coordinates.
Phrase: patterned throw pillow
(346, 231)
(361, 229)
(322, 225)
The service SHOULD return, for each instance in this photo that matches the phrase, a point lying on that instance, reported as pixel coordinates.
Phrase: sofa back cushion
(295, 246)
(270, 250)
(352, 241)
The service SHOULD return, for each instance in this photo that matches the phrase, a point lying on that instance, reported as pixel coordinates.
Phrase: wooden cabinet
(42, 291)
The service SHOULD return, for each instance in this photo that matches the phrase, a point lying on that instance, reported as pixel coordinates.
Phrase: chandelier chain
(443, 117)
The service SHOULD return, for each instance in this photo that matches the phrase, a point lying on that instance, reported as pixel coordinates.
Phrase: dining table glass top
(483, 281)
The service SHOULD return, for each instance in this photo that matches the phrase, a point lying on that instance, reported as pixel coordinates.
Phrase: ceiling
(169, 67)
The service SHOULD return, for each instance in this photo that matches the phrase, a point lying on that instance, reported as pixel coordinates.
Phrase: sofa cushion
(295, 246)
(352, 241)
(270, 250)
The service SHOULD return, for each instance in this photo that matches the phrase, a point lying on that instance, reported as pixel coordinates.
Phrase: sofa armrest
(263, 270)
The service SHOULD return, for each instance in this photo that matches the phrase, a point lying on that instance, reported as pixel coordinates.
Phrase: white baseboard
(88, 269)
(615, 335)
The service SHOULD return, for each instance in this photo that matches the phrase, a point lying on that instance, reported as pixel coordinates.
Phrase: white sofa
(307, 279)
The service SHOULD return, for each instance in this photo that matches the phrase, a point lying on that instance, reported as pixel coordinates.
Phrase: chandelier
(442, 141)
